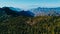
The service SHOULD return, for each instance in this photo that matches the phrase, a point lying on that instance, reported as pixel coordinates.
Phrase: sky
(26, 4)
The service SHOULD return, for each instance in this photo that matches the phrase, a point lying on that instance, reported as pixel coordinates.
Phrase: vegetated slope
(28, 25)
(31, 25)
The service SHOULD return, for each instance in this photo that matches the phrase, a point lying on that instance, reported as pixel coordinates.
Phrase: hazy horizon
(27, 4)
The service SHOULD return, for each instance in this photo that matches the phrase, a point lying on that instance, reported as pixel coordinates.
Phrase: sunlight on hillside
(31, 25)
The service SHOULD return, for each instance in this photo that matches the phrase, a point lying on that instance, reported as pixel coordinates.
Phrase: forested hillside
(30, 25)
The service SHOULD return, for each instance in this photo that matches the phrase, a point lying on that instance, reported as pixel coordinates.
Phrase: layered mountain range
(46, 11)
(30, 13)
(15, 12)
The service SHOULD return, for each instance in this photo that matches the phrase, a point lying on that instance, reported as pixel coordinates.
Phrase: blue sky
(26, 4)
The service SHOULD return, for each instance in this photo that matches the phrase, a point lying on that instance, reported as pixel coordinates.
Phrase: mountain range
(46, 11)
(30, 13)
(15, 12)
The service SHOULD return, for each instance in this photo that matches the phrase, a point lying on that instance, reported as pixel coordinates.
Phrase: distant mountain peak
(14, 9)
(17, 12)
(42, 11)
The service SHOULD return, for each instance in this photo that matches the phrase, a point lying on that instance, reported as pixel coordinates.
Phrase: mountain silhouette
(17, 12)
(30, 13)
